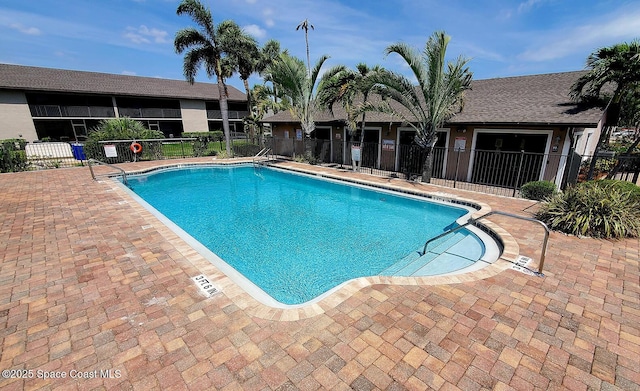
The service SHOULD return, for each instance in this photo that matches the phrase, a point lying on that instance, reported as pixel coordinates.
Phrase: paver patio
(91, 281)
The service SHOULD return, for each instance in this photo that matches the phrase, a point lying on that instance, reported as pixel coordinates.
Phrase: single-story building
(511, 130)
(57, 104)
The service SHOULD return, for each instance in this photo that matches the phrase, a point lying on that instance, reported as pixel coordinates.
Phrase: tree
(292, 79)
(616, 67)
(262, 103)
(214, 48)
(269, 54)
(305, 26)
(629, 116)
(437, 97)
(246, 57)
(351, 89)
(347, 87)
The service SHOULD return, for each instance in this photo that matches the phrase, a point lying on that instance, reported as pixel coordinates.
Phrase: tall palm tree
(292, 79)
(246, 57)
(437, 97)
(617, 67)
(305, 25)
(210, 46)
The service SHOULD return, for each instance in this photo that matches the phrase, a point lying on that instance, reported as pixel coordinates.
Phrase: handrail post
(124, 173)
(91, 169)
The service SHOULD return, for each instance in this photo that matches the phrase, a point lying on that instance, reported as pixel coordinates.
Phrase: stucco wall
(194, 115)
(15, 117)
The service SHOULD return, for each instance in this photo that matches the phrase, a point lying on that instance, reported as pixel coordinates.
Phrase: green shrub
(12, 155)
(122, 129)
(622, 186)
(538, 190)
(593, 211)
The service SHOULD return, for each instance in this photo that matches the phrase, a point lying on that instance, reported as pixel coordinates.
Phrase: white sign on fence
(388, 145)
(355, 153)
(460, 144)
(110, 151)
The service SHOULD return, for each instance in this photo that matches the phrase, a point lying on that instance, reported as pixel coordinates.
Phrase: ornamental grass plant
(595, 211)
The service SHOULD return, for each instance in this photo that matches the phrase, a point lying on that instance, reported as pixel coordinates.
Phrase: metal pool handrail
(497, 212)
(123, 172)
(264, 152)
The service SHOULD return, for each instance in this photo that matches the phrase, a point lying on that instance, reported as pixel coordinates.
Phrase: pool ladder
(496, 212)
(262, 157)
(93, 175)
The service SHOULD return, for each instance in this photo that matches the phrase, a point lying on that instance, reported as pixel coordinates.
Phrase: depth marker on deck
(205, 285)
(521, 265)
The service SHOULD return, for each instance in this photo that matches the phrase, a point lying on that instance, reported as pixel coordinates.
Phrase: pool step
(444, 255)
(396, 267)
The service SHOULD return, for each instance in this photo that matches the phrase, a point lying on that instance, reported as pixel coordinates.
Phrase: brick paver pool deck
(90, 281)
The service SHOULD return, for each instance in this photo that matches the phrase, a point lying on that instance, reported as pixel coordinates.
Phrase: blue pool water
(296, 236)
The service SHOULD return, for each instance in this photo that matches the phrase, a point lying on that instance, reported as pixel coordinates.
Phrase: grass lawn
(185, 149)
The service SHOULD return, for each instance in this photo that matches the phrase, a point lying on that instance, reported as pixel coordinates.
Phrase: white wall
(15, 117)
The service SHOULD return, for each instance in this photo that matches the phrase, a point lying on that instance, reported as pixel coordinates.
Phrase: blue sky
(501, 37)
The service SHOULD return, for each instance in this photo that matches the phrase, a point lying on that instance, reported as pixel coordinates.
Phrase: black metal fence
(22, 156)
(122, 151)
(496, 172)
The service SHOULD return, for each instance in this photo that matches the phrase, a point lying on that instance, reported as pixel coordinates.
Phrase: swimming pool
(297, 237)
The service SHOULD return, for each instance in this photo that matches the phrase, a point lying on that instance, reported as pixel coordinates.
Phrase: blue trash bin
(78, 151)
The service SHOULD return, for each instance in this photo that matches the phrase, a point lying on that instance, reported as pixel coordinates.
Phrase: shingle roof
(28, 78)
(532, 100)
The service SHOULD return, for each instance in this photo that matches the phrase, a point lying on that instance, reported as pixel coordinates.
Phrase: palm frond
(199, 13)
(189, 37)
(194, 59)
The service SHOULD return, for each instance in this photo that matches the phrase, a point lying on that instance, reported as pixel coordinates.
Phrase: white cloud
(143, 34)
(586, 38)
(25, 30)
(527, 5)
(268, 19)
(128, 73)
(255, 31)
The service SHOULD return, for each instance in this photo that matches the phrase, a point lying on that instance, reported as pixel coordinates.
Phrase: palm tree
(263, 103)
(345, 86)
(437, 97)
(292, 79)
(305, 26)
(212, 47)
(269, 54)
(617, 67)
(246, 57)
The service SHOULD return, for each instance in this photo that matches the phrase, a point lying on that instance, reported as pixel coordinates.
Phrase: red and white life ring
(135, 147)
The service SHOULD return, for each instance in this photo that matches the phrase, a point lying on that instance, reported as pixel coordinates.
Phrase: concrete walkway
(90, 282)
